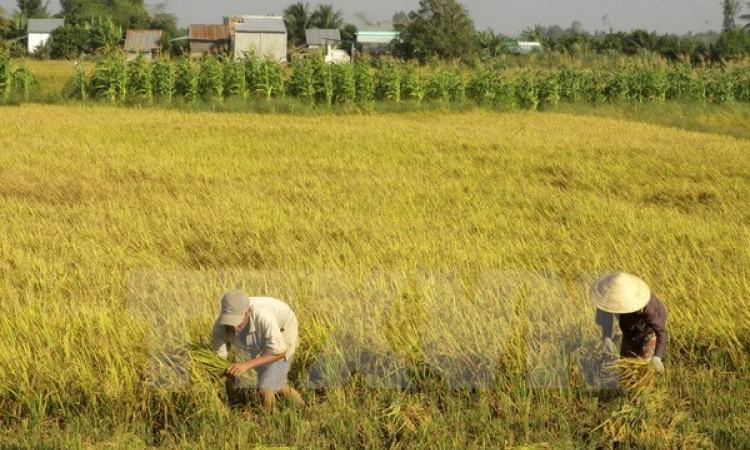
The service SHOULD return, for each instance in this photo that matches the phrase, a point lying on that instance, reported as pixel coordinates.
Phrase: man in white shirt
(266, 330)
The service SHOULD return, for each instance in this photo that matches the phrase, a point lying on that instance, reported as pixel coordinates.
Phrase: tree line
(439, 29)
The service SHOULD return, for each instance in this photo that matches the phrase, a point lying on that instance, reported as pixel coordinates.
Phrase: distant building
(525, 47)
(208, 39)
(264, 35)
(377, 42)
(40, 30)
(142, 42)
(316, 37)
(326, 39)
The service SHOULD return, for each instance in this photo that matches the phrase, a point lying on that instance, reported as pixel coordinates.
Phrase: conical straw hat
(620, 293)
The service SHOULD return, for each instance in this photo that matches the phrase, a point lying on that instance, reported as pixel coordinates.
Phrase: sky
(508, 17)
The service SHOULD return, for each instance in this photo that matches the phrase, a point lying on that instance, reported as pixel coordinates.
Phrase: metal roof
(44, 25)
(142, 40)
(261, 25)
(208, 33)
(317, 36)
(377, 37)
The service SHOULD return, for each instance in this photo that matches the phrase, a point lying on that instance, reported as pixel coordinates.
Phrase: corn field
(17, 82)
(314, 82)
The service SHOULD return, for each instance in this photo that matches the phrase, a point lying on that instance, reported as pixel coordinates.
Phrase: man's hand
(608, 345)
(237, 369)
(658, 365)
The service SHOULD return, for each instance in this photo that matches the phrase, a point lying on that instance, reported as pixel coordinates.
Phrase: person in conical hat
(641, 316)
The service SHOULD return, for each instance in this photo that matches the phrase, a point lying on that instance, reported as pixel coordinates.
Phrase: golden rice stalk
(208, 362)
(633, 374)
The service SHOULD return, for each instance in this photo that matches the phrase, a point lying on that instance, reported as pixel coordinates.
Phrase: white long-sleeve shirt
(273, 330)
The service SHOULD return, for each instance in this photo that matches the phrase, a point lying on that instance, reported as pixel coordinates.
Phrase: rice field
(438, 262)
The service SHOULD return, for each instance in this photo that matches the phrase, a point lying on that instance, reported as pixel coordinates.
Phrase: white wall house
(264, 35)
(327, 39)
(40, 30)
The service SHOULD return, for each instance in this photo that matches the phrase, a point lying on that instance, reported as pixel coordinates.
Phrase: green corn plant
(456, 85)
(302, 82)
(483, 85)
(110, 78)
(412, 85)
(210, 79)
(505, 91)
(647, 83)
(438, 85)
(720, 87)
(252, 72)
(678, 82)
(528, 89)
(139, 78)
(388, 83)
(741, 78)
(595, 87)
(24, 81)
(234, 78)
(696, 90)
(570, 81)
(364, 83)
(322, 79)
(186, 80)
(618, 87)
(344, 84)
(549, 90)
(6, 79)
(162, 79)
(270, 82)
(77, 86)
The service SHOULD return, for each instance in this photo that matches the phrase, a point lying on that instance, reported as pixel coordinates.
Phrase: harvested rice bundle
(633, 374)
(205, 361)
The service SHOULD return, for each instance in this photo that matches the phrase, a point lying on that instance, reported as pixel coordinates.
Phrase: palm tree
(297, 18)
(325, 17)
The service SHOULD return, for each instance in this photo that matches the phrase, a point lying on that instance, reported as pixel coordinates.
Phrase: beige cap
(234, 305)
(620, 293)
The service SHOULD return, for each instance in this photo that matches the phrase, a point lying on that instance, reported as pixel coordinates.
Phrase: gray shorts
(273, 377)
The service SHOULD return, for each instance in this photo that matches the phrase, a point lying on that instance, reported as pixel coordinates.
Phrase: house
(142, 42)
(39, 31)
(525, 47)
(377, 41)
(264, 35)
(326, 39)
(207, 39)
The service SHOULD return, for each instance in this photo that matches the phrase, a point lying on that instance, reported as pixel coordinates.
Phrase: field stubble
(380, 230)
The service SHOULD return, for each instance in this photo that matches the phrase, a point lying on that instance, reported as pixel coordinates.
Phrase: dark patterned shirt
(636, 326)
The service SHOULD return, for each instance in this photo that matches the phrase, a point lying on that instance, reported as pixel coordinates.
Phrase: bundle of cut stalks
(633, 374)
(207, 362)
